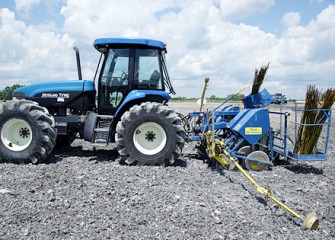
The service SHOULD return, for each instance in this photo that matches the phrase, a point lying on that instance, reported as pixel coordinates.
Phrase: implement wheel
(27, 132)
(149, 134)
(243, 151)
(255, 166)
(311, 222)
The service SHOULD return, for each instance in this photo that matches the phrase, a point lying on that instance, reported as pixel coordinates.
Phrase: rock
(3, 191)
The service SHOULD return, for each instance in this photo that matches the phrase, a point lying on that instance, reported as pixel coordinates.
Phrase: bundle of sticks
(313, 118)
(258, 79)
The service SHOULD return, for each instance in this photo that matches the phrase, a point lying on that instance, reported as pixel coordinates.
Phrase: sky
(220, 39)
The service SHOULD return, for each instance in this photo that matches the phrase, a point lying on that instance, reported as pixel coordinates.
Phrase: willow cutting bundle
(313, 119)
(258, 79)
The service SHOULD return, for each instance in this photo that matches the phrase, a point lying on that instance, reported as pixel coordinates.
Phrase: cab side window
(147, 74)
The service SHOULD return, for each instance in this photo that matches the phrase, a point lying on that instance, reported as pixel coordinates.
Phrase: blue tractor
(126, 103)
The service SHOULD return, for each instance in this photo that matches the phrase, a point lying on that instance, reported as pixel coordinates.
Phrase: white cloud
(33, 9)
(297, 69)
(26, 5)
(291, 19)
(29, 53)
(243, 8)
(310, 49)
(202, 42)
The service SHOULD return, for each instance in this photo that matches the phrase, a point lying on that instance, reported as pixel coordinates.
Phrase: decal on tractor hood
(55, 95)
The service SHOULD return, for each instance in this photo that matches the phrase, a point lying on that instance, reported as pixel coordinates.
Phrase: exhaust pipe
(78, 62)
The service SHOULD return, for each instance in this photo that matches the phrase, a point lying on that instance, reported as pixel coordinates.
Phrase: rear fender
(139, 96)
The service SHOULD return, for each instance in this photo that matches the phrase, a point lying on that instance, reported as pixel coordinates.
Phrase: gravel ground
(84, 193)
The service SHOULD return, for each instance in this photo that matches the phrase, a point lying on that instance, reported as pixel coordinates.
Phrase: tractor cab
(131, 70)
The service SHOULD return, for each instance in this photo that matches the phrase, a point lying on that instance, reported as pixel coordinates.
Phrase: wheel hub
(16, 134)
(149, 138)
(24, 132)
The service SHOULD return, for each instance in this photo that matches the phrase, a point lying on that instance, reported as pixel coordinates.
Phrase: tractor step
(105, 117)
(99, 144)
(102, 130)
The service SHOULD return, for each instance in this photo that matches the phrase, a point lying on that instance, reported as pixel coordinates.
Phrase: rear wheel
(149, 134)
(27, 132)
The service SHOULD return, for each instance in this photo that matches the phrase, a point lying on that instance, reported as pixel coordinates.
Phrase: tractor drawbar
(311, 222)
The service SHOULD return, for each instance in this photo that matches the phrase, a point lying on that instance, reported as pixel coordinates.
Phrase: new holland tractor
(126, 103)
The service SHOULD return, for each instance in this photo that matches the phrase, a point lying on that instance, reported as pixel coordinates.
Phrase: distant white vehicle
(279, 98)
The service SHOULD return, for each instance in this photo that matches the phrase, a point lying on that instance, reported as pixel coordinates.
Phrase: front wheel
(149, 134)
(27, 132)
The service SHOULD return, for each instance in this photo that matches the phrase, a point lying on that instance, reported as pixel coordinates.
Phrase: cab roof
(102, 43)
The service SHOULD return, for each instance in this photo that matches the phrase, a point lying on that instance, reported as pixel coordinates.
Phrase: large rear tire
(149, 134)
(27, 132)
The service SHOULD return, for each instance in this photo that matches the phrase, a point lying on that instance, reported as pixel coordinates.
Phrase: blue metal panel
(131, 41)
(237, 118)
(57, 86)
(196, 138)
(226, 114)
(138, 94)
(307, 157)
(258, 100)
(231, 110)
(217, 126)
(88, 86)
(221, 117)
(253, 125)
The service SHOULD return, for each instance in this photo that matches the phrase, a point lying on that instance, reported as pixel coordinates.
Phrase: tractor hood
(53, 89)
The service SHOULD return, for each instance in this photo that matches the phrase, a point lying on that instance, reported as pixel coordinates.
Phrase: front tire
(149, 134)
(27, 132)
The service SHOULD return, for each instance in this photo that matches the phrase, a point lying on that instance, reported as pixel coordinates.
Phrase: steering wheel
(124, 78)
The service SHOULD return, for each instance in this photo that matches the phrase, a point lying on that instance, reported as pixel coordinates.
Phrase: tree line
(7, 92)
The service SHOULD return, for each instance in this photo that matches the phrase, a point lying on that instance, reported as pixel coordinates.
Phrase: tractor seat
(115, 82)
(154, 79)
